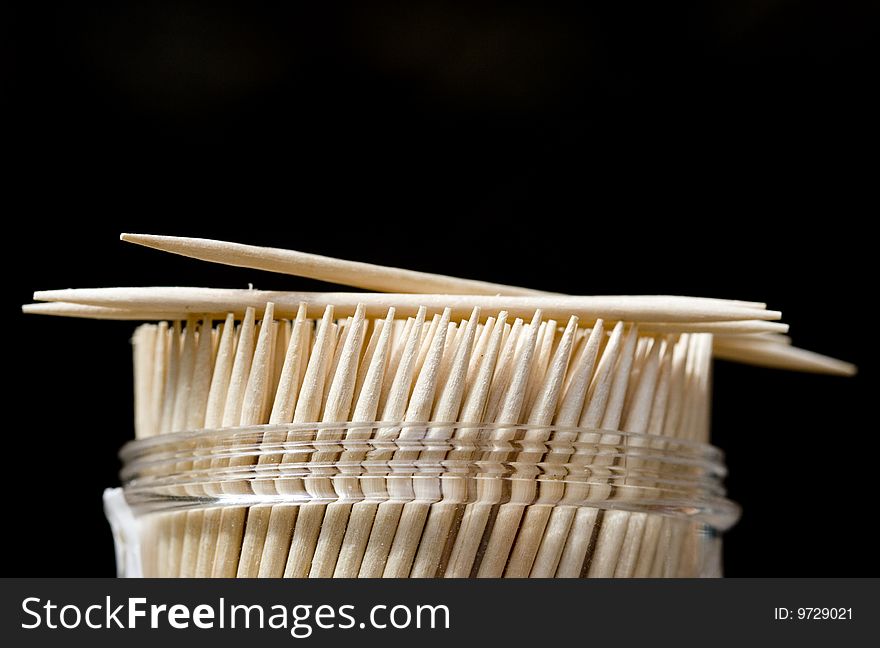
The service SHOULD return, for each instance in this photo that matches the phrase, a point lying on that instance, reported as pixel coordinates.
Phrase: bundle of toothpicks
(487, 360)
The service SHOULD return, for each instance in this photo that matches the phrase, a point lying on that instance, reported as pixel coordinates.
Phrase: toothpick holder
(424, 502)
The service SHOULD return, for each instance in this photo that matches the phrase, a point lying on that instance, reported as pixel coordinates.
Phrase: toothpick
(253, 406)
(201, 381)
(353, 547)
(185, 374)
(337, 408)
(441, 515)
(415, 512)
(65, 309)
(288, 384)
(304, 541)
(535, 516)
(388, 513)
(314, 266)
(144, 351)
(171, 378)
(765, 353)
(577, 541)
(241, 367)
(647, 308)
(497, 542)
(561, 518)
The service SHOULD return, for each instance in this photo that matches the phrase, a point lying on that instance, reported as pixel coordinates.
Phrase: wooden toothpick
(643, 308)
(314, 266)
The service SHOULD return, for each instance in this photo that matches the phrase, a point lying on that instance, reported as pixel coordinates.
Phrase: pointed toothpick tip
(140, 239)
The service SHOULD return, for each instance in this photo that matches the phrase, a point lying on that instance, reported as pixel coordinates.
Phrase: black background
(711, 148)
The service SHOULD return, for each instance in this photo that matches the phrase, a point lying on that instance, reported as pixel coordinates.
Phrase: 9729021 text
(812, 614)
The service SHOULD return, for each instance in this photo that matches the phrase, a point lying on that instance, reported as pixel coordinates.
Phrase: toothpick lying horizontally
(779, 355)
(314, 266)
(643, 308)
(736, 339)
(395, 280)
(67, 309)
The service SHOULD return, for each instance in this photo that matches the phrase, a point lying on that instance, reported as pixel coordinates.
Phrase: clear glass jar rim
(332, 460)
(308, 431)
